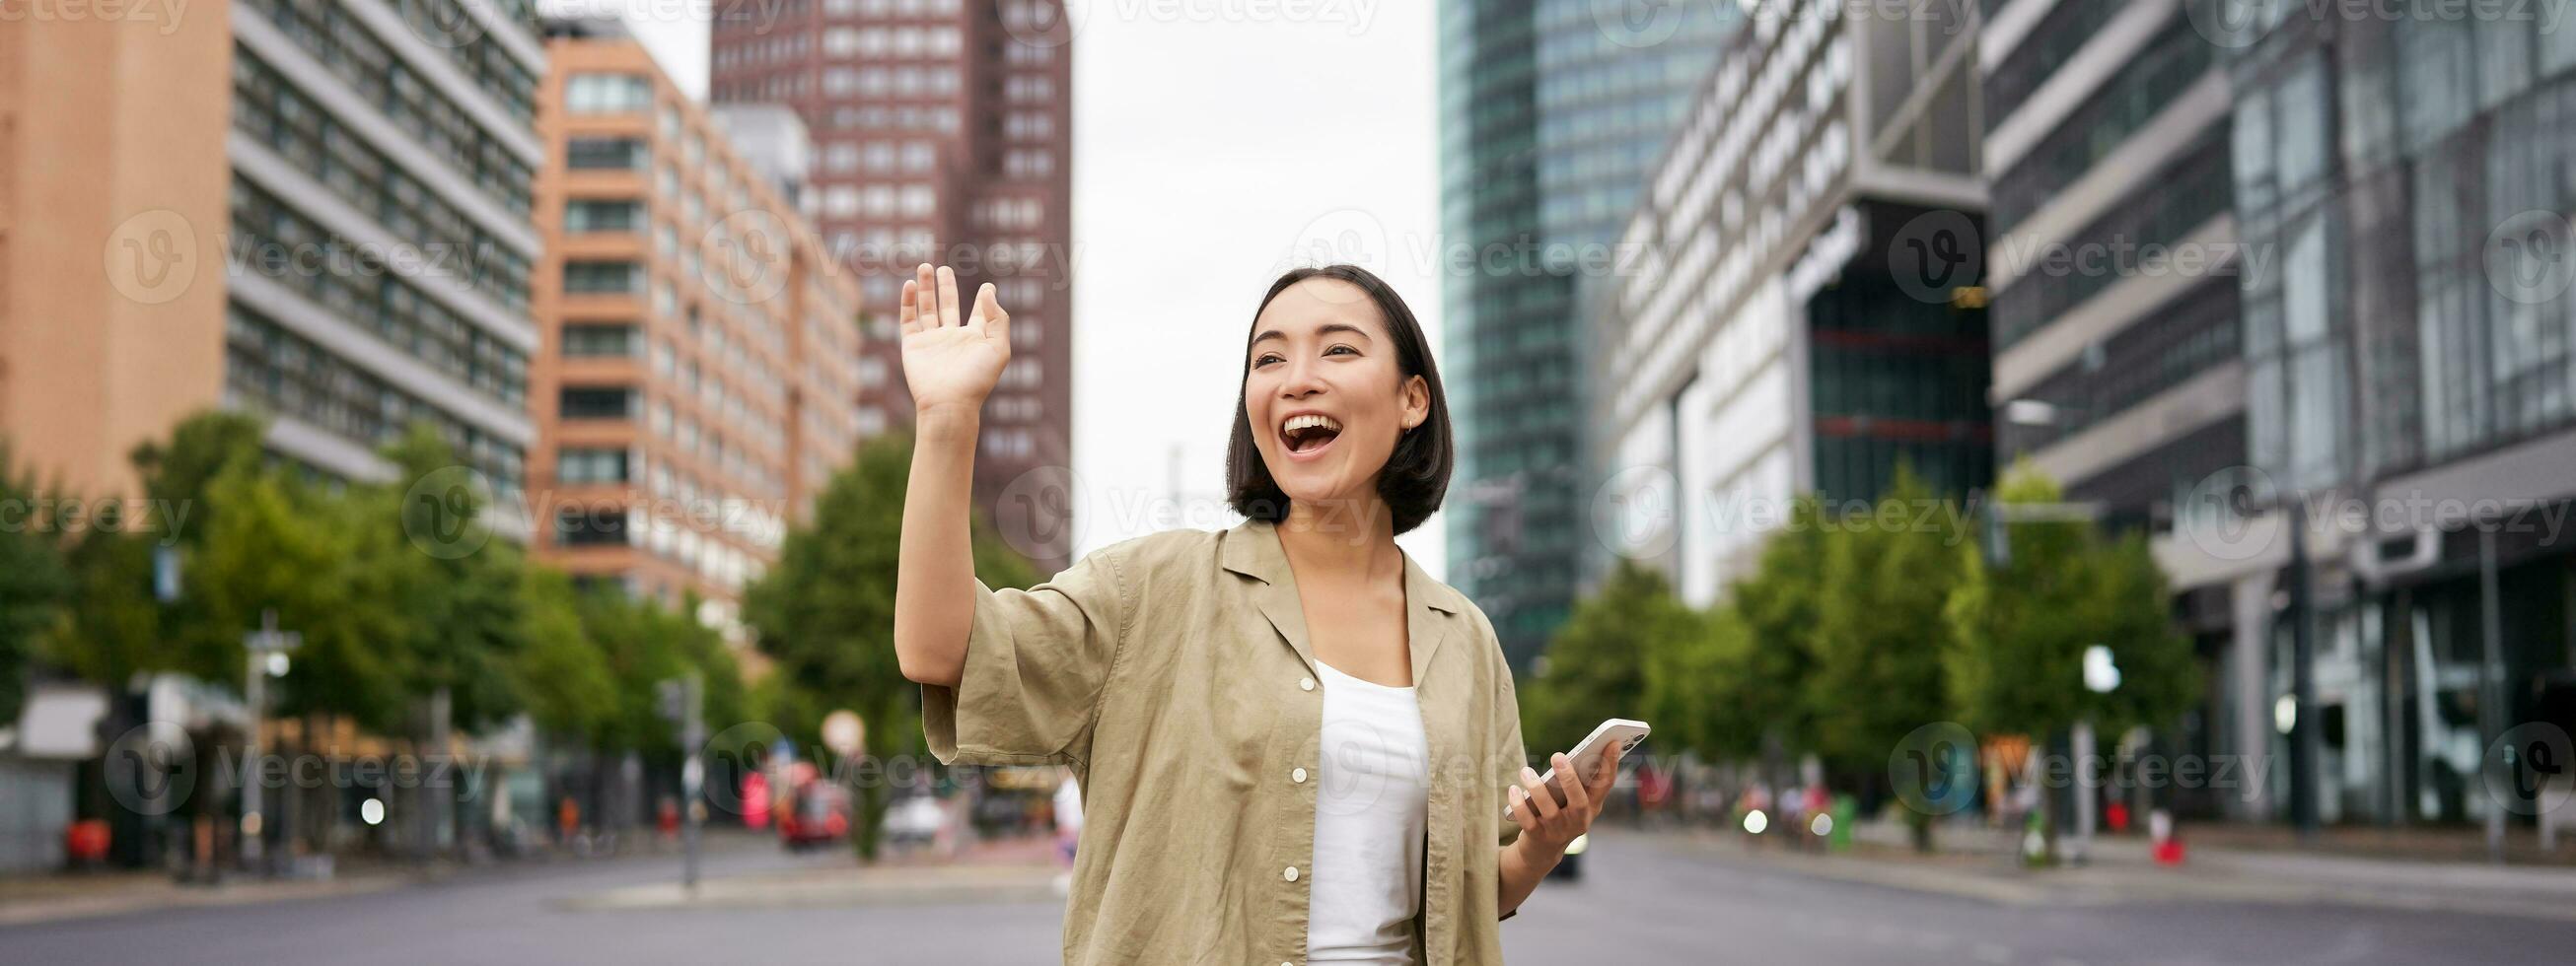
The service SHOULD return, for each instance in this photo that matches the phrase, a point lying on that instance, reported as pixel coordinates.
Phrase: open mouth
(1307, 435)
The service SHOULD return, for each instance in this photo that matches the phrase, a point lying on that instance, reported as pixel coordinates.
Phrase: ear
(1416, 403)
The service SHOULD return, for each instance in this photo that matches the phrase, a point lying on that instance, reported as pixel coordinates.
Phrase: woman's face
(1326, 395)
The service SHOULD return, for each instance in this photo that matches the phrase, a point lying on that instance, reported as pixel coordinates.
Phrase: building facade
(698, 378)
(318, 213)
(1552, 115)
(944, 134)
(2410, 376)
(1785, 329)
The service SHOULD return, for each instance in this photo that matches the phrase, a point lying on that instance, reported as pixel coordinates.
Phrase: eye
(1342, 348)
(1264, 359)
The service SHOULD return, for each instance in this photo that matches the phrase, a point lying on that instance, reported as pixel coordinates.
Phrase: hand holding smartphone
(1620, 733)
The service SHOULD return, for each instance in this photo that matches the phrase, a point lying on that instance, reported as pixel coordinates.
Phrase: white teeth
(1310, 421)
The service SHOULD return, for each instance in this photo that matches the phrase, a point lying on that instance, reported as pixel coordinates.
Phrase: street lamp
(265, 650)
(2101, 676)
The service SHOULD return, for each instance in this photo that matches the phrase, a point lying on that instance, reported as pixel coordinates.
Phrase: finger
(948, 297)
(997, 323)
(1521, 814)
(1606, 774)
(1578, 799)
(1540, 800)
(926, 287)
(910, 314)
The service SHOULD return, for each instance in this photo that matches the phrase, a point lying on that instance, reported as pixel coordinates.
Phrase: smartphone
(1620, 733)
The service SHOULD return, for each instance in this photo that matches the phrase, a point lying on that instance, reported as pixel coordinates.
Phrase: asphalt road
(1635, 905)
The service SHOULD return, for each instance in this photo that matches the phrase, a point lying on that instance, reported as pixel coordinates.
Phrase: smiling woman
(1293, 744)
(1335, 347)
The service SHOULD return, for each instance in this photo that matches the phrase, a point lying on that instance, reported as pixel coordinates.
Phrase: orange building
(696, 382)
(316, 213)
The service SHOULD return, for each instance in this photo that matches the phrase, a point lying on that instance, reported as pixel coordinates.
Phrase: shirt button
(1305, 684)
(1298, 776)
(1290, 875)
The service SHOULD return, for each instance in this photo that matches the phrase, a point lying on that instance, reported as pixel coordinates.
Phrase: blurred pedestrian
(1290, 680)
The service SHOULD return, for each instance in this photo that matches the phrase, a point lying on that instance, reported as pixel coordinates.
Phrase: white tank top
(1369, 816)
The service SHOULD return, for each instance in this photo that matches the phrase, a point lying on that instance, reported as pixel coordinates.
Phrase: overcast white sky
(1209, 154)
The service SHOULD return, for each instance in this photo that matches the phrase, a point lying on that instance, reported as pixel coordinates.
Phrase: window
(597, 402)
(607, 93)
(607, 154)
(597, 215)
(577, 465)
(589, 341)
(604, 526)
(603, 278)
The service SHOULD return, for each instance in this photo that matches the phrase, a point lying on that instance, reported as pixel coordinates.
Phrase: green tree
(33, 582)
(116, 627)
(1778, 607)
(2019, 631)
(462, 613)
(1596, 666)
(560, 675)
(825, 613)
(1880, 633)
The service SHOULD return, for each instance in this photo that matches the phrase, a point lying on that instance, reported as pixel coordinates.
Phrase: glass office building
(2413, 354)
(1552, 113)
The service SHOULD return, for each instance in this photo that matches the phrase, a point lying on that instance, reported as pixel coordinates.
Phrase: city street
(1636, 904)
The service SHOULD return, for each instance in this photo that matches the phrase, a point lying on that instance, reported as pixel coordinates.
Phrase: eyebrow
(1328, 327)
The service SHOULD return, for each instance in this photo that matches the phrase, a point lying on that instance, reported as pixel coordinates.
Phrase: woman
(1293, 744)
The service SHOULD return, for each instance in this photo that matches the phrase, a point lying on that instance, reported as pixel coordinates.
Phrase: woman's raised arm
(951, 364)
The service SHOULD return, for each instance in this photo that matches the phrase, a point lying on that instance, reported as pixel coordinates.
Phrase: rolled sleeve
(1036, 663)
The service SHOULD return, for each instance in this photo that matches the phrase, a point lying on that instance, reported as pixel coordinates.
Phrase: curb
(2100, 885)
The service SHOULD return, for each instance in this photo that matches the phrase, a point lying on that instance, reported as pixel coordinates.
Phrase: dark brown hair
(1416, 474)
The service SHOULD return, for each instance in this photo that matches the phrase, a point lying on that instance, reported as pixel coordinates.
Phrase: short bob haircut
(1416, 474)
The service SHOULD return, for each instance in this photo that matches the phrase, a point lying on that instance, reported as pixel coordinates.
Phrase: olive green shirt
(1173, 674)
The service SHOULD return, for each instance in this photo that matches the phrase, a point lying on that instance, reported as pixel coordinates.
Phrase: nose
(1300, 381)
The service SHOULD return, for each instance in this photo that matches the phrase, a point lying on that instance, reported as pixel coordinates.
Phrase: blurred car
(816, 813)
(915, 819)
(1571, 867)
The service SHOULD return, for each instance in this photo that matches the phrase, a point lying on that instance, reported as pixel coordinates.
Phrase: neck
(1353, 538)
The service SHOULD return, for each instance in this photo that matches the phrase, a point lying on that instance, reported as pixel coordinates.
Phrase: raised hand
(951, 364)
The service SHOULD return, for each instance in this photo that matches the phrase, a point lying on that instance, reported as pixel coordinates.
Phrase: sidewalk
(2120, 873)
(1006, 870)
(26, 901)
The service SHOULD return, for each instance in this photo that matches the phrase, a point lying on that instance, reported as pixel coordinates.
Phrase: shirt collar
(1252, 549)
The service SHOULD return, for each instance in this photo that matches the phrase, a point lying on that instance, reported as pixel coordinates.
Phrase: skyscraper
(944, 130)
(1552, 115)
(701, 348)
(1800, 320)
(316, 212)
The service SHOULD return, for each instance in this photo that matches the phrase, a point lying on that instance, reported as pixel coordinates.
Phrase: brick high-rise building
(700, 346)
(944, 134)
